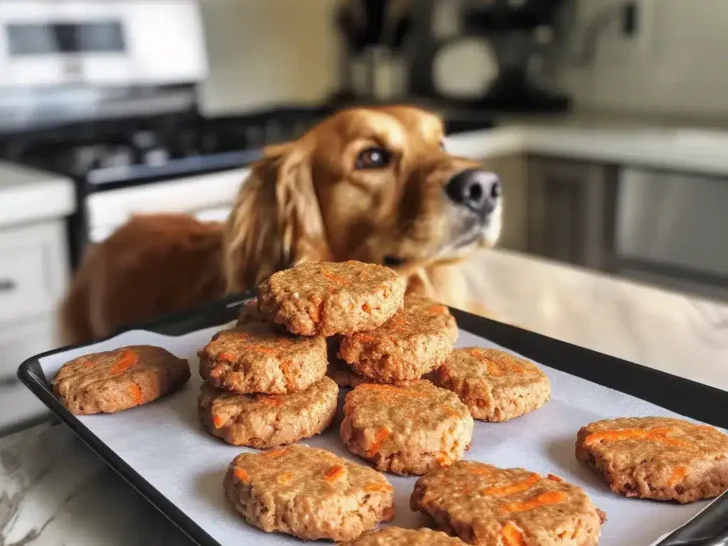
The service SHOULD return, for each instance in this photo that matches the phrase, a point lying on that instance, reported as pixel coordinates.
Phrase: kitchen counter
(55, 491)
(29, 195)
(696, 150)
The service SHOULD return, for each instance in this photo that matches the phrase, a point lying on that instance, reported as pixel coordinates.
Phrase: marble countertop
(54, 490)
(693, 150)
(30, 195)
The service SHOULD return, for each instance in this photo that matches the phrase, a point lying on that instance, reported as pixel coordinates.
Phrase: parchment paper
(167, 446)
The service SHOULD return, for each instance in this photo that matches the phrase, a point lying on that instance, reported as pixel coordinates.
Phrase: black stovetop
(107, 155)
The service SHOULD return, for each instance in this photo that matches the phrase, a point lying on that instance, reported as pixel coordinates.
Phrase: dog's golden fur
(304, 201)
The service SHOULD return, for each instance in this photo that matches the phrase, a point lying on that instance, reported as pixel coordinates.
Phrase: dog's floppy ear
(276, 221)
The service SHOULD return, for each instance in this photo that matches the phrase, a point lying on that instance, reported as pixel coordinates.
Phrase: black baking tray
(688, 398)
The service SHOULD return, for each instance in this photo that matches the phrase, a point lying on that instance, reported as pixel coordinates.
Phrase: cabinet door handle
(7, 285)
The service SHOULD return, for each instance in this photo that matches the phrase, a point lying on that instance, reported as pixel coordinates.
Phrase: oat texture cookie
(257, 358)
(495, 385)
(342, 373)
(397, 536)
(412, 343)
(309, 493)
(268, 420)
(327, 298)
(117, 380)
(406, 430)
(656, 458)
(486, 505)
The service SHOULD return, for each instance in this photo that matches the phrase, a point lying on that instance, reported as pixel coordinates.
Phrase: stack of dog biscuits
(265, 379)
(382, 344)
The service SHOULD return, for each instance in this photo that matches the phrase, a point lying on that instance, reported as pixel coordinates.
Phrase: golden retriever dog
(370, 184)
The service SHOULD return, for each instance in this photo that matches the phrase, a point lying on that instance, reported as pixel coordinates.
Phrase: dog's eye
(373, 158)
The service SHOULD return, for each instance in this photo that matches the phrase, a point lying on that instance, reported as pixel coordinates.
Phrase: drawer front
(33, 270)
(19, 341)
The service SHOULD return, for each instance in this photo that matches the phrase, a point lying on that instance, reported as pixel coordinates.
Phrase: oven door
(208, 197)
(672, 229)
(83, 42)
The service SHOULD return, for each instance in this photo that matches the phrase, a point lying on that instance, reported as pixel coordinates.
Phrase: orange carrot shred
(544, 499)
(242, 475)
(334, 473)
(380, 436)
(436, 310)
(263, 350)
(657, 434)
(449, 410)
(554, 478)
(136, 394)
(391, 389)
(284, 477)
(529, 482)
(275, 453)
(127, 360)
(337, 279)
(228, 357)
(268, 400)
(677, 475)
(217, 421)
(443, 459)
(482, 470)
(378, 488)
(512, 535)
(493, 368)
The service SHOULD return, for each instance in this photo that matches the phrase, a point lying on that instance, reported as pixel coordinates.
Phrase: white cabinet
(33, 270)
(33, 277)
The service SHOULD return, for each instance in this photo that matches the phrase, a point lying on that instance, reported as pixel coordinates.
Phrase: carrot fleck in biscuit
(327, 298)
(406, 430)
(265, 420)
(116, 380)
(397, 536)
(257, 358)
(309, 493)
(656, 458)
(486, 505)
(412, 343)
(495, 385)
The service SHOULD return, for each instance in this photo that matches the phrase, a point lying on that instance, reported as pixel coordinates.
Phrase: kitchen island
(54, 490)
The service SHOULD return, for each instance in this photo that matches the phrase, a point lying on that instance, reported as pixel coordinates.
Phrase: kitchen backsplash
(673, 65)
(283, 50)
(268, 51)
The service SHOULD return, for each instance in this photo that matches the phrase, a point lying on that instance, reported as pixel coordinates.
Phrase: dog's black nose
(478, 190)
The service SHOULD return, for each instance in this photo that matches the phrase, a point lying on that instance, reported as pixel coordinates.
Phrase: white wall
(678, 66)
(268, 51)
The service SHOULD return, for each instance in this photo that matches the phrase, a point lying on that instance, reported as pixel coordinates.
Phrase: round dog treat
(397, 536)
(406, 430)
(120, 379)
(486, 505)
(495, 385)
(656, 458)
(268, 420)
(257, 358)
(330, 298)
(407, 346)
(309, 493)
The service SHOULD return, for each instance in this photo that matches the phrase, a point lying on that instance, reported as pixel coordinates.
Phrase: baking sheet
(165, 444)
